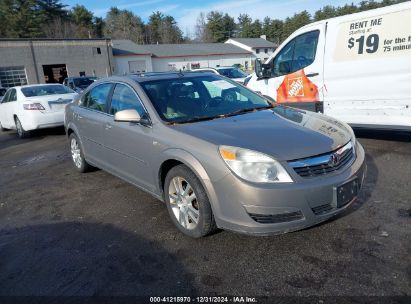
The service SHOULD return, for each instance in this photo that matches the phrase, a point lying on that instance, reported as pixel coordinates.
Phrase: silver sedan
(218, 154)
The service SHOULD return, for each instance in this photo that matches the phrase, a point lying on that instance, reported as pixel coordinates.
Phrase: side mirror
(258, 69)
(129, 115)
(262, 70)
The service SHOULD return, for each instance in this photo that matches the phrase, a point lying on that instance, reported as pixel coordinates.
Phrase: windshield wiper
(195, 119)
(203, 118)
(242, 111)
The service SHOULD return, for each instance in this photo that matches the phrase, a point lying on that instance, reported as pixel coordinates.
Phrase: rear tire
(20, 130)
(77, 155)
(188, 203)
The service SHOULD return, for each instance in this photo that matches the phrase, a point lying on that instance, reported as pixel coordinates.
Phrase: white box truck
(356, 68)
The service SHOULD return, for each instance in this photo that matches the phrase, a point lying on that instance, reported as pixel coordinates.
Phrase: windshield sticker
(223, 84)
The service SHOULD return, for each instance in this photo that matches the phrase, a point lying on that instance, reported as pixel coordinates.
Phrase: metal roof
(255, 42)
(127, 47)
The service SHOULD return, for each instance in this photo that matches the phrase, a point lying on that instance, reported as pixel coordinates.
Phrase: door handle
(108, 126)
(312, 74)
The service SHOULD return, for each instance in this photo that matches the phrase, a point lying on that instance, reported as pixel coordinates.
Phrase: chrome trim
(320, 160)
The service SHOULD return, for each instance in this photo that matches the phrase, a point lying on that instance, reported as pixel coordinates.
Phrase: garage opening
(137, 66)
(54, 73)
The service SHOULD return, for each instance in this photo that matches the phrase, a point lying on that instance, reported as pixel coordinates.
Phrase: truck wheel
(77, 154)
(187, 203)
(20, 130)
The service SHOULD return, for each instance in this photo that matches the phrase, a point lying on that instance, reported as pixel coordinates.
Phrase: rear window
(83, 82)
(46, 90)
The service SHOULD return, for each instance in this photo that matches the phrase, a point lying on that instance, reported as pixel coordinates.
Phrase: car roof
(166, 75)
(34, 85)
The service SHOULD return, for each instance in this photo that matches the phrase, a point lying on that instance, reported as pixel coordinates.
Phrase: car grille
(276, 218)
(322, 209)
(325, 163)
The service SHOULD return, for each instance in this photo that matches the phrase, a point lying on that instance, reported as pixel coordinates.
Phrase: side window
(125, 98)
(296, 55)
(6, 97)
(283, 61)
(13, 95)
(96, 98)
(304, 50)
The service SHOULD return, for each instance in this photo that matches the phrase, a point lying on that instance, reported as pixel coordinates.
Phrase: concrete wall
(77, 55)
(122, 66)
(177, 63)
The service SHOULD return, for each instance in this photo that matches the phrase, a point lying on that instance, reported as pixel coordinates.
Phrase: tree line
(53, 19)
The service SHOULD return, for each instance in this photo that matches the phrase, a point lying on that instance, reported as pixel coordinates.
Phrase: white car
(32, 107)
(230, 72)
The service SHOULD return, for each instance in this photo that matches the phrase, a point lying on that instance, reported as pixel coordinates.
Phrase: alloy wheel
(183, 201)
(76, 153)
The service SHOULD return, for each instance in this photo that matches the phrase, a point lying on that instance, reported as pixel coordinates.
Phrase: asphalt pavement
(66, 233)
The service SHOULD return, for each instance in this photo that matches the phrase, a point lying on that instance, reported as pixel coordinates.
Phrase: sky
(187, 11)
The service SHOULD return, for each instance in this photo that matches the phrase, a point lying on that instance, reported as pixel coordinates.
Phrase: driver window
(13, 95)
(297, 54)
(125, 98)
(6, 97)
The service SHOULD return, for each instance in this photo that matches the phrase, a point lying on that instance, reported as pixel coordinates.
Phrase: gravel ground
(65, 233)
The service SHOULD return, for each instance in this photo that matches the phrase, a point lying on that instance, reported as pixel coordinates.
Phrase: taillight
(33, 106)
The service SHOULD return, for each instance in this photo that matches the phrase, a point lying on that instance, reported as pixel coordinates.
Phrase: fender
(190, 161)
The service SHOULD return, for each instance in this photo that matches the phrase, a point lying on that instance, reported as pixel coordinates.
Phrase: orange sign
(296, 87)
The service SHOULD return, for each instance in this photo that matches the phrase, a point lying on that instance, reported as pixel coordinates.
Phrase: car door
(297, 70)
(89, 118)
(128, 145)
(8, 109)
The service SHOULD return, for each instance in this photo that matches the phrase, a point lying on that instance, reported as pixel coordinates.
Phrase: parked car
(78, 84)
(356, 68)
(240, 164)
(31, 107)
(2, 92)
(231, 72)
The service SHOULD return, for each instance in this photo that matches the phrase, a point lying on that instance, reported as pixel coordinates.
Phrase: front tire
(20, 130)
(187, 203)
(77, 154)
(2, 129)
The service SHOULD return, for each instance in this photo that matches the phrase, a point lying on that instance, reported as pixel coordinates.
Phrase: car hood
(284, 133)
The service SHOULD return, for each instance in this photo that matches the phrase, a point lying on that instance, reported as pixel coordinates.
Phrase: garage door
(12, 76)
(137, 66)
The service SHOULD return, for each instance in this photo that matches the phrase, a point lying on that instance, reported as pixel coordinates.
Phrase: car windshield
(83, 82)
(194, 98)
(2, 91)
(232, 73)
(45, 90)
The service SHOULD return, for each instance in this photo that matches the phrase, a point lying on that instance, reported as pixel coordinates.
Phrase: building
(132, 58)
(28, 61)
(260, 47)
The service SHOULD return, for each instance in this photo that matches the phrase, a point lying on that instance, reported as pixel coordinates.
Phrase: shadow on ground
(86, 259)
(391, 135)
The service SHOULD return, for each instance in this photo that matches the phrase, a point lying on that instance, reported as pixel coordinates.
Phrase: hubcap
(184, 203)
(75, 153)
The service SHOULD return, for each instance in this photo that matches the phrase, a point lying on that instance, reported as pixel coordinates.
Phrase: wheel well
(69, 131)
(165, 168)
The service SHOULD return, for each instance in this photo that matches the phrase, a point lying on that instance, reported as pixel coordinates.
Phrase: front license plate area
(347, 192)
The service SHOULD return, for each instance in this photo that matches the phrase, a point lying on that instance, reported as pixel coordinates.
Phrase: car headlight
(254, 166)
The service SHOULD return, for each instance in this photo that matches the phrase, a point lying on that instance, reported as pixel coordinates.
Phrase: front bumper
(238, 205)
